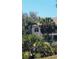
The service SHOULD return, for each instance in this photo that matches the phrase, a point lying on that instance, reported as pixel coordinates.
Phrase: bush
(54, 49)
(37, 55)
(25, 55)
(37, 46)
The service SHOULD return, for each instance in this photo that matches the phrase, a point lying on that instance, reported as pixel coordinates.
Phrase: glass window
(36, 30)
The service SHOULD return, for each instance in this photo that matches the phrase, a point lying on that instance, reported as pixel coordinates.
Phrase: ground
(50, 57)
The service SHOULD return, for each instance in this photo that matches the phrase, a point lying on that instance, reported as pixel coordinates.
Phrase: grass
(50, 57)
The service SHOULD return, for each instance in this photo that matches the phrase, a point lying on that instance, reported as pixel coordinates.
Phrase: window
(55, 38)
(36, 30)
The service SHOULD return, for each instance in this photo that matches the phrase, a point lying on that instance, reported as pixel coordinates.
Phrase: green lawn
(50, 57)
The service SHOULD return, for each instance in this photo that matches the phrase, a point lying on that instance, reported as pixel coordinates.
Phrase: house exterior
(36, 29)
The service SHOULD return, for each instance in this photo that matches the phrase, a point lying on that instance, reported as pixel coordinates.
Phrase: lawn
(50, 57)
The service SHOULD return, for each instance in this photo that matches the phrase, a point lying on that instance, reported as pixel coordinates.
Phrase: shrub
(54, 49)
(25, 55)
(37, 55)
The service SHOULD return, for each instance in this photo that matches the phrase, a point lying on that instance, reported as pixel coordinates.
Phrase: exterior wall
(37, 32)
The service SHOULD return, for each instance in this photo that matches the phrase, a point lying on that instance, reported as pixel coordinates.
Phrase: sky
(43, 8)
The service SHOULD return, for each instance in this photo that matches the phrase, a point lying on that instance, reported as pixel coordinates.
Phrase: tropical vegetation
(35, 46)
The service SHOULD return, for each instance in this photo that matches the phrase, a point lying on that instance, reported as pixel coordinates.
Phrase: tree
(30, 40)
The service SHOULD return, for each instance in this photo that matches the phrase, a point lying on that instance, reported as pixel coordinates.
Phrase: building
(36, 29)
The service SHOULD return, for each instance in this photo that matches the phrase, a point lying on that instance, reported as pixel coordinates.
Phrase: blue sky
(44, 8)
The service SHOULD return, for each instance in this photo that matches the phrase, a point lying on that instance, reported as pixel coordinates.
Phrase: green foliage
(32, 37)
(28, 21)
(42, 48)
(30, 41)
(37, 55)
(25, 55)
(54, 49)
